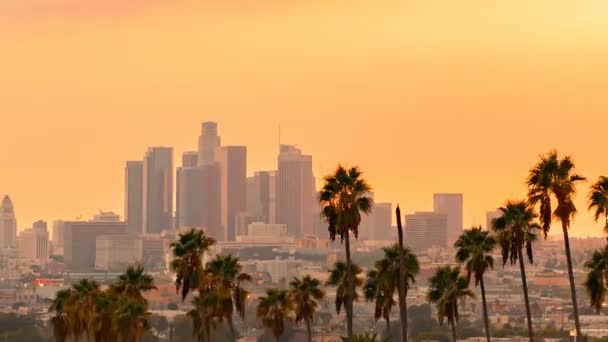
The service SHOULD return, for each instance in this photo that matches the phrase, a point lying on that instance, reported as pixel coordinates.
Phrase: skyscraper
(382, 216)
(58, 237)
(211, 201)
(233, 173)
(190, 159)
(34, 243)
(295, 191)
(490, 216)
(261, 196)
(189, 197)
(158, 190)
(424, 230)
(134, 187)
(451, 205)
(208, 142)
(8, 224)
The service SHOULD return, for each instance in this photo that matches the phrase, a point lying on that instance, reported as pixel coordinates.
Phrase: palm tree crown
(516, 230)
(187, 262)
(598, 200)
(134, 282)
(338, 279)
(597, 278)
(474, 249)
(274, 309)
(305, 293)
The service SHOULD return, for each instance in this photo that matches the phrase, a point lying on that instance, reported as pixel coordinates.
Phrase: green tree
(555, 177)
(516, 229)
(304, 293)
(338, 277)
(274, 310)
(597, 277)
(474, 250)
(344, 197)
(598, 200)
(446, 288)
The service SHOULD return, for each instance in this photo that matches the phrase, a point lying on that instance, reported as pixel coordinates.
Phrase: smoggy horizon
(425, 97)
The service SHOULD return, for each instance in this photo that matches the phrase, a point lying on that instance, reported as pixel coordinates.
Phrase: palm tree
(402, 278)
(60, 322)
(598, 200)
(134, 282)
(474, 249)
(338, 278)
(274, 310)
(447, 287)
(597, 278)
(84, 298)
(304, 293)
(187, 262)
(383, 279)
(555, 177)
(226, 279)
(131, 320)
(102, 324)
(516, 229)
(343, 198)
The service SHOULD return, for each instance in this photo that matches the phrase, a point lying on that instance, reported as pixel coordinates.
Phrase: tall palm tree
(597, 278)
(60, 322)
(598, 200)
(474, 249)
(227, 277)
(274, 310)
(131, 320)
(134, 282)
(187, 262)
(344, 197)
(446, 288)
(338, 278)
(516, 229)
(305, 293)
(383, 279)
(101, 323)
(402, 278)
(85, 293)
(555, 177)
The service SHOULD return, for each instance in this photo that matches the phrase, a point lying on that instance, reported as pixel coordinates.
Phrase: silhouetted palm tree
(274, 310)
(131, 320)
(474, 249)
(598, 200)
(344, 197)
(447, 287)
(304, 293)
(516, 229)
(555, 177)
(597, 278)
(187, 262)
(61, 321)
(84, 298)
(338, 278)
(134, 282)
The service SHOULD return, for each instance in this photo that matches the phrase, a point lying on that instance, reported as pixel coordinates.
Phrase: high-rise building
(382, 217)
(158, 190)
(58, 237)
(80, 241)
(261, 196)
(233, 174)
(424, 230)
(295, 187)
(491, 216)
(34, 243)
(8, 224)
(208, 142)
(134, 187)
(189, 197)
(451, 205)
(190, 159)
(211, 201)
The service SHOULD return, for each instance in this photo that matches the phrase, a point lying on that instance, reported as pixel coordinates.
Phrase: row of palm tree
(118, 313)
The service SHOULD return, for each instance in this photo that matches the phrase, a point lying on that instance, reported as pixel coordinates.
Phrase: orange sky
(426, 96)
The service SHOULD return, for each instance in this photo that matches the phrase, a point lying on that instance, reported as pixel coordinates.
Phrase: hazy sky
(426, 96)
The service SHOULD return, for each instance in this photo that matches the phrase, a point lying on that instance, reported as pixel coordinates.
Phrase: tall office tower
(58, 237)
(295, 191)
(134, 187)
(34, 243)
(208, 142)
(189, 197)
(190, 159)
(261, 196)
(490, 216)
(80, 242)
(211, 201)
(233, 169)
(382, 216)
(451, 205)
(158, 190)
(424, 230)
(366, 226)
(8, 224)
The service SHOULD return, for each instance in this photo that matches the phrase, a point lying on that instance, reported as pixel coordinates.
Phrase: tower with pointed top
(8, 224)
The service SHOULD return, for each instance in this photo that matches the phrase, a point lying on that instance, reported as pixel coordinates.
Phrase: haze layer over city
(303, 171)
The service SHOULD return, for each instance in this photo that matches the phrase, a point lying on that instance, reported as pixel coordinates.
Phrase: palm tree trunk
(402, 280)
(387, 318)
(485, 308)
(454, 308)
(309, 330)
(524, 283)
(350, 288)
(577, 323)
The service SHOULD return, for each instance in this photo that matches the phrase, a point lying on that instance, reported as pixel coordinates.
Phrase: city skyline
(437, 89)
